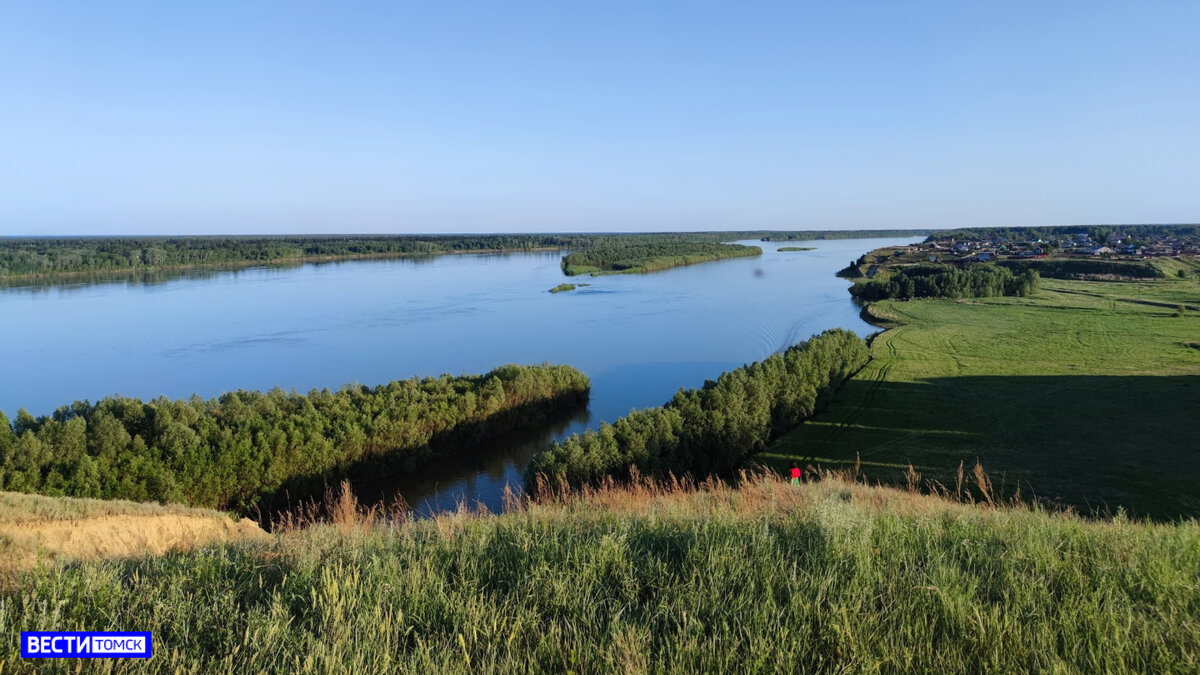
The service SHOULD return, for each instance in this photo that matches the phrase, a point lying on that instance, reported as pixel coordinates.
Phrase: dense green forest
(1086, 268)
(1096, 232)
(20, 256)
(247, 448)
(40, 257)
(944, 281)
(711, 430)
(639, 257)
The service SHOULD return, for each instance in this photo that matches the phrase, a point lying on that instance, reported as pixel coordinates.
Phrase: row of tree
(1096, 232)
(944, 281)
(1086, 268)
(248, 448)
(647, 257)
(714, 429)
(813, 235)
(34, 256)
(30, 256)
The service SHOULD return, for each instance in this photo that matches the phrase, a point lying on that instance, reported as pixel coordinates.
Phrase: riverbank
(243, 264)
(1083, 394)
(259, 452)
(40, 258)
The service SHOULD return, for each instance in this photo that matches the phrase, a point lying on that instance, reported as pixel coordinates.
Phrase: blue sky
(236, 117)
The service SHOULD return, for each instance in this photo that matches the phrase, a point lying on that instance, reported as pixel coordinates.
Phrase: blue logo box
(55, 644)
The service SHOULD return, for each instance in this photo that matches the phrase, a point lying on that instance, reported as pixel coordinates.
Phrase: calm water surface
(639, 337)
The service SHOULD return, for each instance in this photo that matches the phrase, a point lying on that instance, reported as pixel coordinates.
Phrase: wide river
(638, 337)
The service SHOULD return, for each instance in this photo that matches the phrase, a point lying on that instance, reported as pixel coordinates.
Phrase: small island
(562, 287)
(797, 248)
(634, 259)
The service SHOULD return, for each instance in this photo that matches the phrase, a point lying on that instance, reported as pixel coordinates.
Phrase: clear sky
(236, 117)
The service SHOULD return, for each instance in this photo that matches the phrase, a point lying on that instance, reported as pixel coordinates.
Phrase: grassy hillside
(1086, 392)
(1179, 267)
(768, 577)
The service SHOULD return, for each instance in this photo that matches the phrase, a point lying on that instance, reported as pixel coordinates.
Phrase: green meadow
(1085, 393)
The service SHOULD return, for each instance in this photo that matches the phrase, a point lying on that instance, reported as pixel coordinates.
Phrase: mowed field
(1087, 393)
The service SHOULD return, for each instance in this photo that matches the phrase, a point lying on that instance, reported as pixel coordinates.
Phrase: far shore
(238, 264)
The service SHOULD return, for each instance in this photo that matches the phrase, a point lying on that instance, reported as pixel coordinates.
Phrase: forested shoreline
(816, 235)
(33, 257)
(944, 281)
(243, 449)
(714, 429)
(41, 257)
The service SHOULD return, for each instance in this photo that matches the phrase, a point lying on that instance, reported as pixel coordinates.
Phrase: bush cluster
(711, 430)
(1085, 268)
(942, 281)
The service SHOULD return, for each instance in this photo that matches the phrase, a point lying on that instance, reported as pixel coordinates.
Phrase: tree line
(648, 257)
(812, 235)
(943, 281)
(246, 448)
(42, 256)
(714, 429)
(1085, 268)
(1096, 232)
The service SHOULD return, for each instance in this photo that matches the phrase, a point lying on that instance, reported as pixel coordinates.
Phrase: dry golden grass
(36, 529)
(762, 492)
(25, 508)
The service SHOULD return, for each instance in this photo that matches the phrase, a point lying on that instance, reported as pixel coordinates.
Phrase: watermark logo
(54, 644)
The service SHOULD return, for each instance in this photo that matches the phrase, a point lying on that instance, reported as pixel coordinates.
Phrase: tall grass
(831, 576)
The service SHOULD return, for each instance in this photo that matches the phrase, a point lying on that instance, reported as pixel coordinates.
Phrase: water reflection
(153, 277)
(475, 477)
